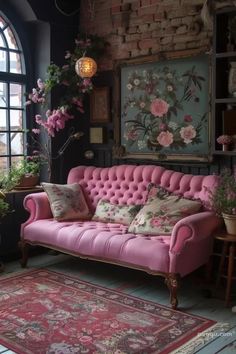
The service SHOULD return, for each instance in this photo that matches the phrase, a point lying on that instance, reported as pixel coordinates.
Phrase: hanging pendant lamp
(86, 67)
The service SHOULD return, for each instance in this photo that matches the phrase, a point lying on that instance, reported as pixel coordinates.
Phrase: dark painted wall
(46, 34)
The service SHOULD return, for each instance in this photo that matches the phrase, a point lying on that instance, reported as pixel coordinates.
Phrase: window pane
(15, 95)
(16, 159)
(3, 143)
(2, 42)
(16, 120)
(11, 41)
(3, 61)
(3, 120)
(15, 63)
(16, 143)
(3, 164)
(3, 94)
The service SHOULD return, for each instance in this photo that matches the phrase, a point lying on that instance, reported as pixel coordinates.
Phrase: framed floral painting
(164, 112)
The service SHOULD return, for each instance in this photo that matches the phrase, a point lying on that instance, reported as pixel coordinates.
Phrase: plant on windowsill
(24, 174)
(223, 199)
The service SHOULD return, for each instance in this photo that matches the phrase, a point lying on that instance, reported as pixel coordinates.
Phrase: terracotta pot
(230, 223)
(28, 181)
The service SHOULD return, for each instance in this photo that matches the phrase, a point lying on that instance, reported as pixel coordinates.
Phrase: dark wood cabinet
(11, 224)
(224, 81)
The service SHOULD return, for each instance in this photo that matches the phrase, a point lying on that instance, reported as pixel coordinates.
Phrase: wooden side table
(11, 227)
(228, 251)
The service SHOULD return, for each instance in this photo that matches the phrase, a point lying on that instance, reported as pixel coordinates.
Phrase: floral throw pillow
(159, 215)
(67, 201)
(121, 214)
(155, 190)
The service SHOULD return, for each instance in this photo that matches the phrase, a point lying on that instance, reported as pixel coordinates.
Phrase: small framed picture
(96, 135)
(100, 105)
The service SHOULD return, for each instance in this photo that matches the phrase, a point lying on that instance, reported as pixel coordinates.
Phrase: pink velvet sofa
(187, 248)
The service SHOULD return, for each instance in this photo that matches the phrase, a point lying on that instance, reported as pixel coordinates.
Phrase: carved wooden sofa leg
(24, 247)
(172, 281)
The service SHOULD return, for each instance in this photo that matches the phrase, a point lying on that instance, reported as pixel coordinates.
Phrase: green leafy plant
(28, 166)
(223, 196)
(4, 206)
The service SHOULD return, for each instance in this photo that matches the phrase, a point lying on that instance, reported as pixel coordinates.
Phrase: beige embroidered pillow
(67, 201)
(121, 214)
(159, 215)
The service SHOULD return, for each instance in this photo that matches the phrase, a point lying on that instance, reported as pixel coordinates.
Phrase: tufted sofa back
(127, 184)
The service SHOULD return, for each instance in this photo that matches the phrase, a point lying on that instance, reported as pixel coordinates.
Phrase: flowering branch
(75, 88)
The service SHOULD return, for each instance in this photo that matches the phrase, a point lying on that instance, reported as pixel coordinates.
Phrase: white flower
(136, 82)
(188, 134)
(142, 104)
(169, 88)
(169, 76)
(173, 125)
(129, 87)
(141, 144)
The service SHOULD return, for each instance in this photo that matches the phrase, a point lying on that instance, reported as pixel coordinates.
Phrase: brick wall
(137, 28)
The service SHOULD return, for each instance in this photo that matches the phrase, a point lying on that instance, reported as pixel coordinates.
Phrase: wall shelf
(223, 80)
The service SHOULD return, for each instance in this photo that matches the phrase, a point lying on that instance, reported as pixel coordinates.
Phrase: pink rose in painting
(159, 107)
(131, 135)
(188, 134)
(165, 138)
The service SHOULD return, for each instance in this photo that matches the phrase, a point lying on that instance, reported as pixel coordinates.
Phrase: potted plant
(223, 199)
(24, 174)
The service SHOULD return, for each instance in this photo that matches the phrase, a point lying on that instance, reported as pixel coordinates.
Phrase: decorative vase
(230, 223)
(225, 147)
(27, 182)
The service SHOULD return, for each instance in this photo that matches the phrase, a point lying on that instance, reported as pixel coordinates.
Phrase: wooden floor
(195, 295)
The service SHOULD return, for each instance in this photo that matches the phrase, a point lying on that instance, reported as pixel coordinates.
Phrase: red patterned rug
(44, 312)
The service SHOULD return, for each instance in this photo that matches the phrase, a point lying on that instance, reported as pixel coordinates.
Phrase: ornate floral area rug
(45, 312)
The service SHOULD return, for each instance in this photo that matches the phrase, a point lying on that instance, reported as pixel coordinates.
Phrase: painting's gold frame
(118, 150)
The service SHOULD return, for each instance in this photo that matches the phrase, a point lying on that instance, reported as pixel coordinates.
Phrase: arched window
(12, 88)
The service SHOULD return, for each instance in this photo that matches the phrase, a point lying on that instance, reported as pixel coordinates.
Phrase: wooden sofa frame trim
(171, 279)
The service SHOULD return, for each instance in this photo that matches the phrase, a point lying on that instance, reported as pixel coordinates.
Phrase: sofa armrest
(193, 228)
(37, 204)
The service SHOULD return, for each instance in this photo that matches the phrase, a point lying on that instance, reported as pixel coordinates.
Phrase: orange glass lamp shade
(86, 67)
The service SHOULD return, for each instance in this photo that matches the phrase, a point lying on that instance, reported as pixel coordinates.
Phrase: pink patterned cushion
(108, 212)
(67, 201)
(161, 212)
